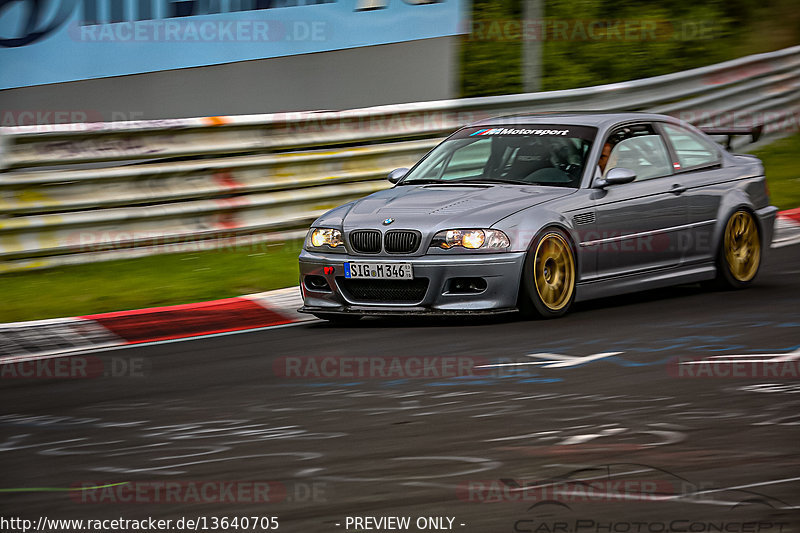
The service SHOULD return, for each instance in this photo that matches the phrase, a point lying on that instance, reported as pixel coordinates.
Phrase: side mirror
(397, 174)
(616, 176)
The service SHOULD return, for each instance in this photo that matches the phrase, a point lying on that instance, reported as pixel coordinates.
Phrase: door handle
(678, 189)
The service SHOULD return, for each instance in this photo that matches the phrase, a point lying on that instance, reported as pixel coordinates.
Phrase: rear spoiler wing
(754, 132)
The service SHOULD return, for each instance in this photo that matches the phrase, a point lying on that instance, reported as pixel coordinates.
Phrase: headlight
(319, 237)
(473, 239)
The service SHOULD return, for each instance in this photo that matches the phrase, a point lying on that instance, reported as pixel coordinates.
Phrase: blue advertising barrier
(49, 41)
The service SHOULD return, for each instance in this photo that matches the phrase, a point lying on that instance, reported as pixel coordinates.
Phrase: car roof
(585, 118)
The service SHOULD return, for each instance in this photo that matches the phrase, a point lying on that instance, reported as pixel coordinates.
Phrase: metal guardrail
(88, 192)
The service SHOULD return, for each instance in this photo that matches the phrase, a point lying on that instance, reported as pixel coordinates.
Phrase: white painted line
(742, 355)
(581, 360)
(500, 365)
(791, 356)
(556, 360)
(728, 361)
(787, 242)
(550, 356)
(649, 497)
(751, 485)
(743, 358)
(607, 475)
(580, 439)
(519, 437)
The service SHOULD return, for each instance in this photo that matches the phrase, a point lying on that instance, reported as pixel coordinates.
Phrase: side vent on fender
(584, 218)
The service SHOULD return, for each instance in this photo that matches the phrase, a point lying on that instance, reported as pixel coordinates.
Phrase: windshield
(537, 155)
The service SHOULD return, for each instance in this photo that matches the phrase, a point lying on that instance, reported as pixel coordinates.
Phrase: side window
(468, 161)
(644, 154)
(692, 150)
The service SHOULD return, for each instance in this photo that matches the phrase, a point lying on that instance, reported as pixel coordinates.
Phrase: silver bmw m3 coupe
(536, 212)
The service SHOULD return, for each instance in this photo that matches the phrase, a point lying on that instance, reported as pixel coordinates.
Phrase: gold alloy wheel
(554, 271)
(741, 246)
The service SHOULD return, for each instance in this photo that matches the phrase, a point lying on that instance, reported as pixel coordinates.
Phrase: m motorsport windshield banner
(539, 130)
(49, 41)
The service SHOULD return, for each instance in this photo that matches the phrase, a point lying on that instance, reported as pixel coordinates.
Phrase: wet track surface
(600, 429)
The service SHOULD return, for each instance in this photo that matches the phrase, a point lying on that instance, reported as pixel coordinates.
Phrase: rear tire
(548, 277)
(739, 253)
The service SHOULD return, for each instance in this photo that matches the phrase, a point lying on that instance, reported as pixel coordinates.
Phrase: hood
(436, 207)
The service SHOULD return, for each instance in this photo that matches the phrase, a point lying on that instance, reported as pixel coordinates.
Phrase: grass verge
(148, 281)
(782, 170)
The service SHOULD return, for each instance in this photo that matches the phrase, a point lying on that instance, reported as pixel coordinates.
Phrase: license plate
(378, 270)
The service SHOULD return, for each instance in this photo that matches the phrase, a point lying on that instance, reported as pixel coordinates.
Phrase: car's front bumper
(501, 273)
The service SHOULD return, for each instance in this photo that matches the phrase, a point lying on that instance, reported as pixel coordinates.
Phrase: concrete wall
(343, 79)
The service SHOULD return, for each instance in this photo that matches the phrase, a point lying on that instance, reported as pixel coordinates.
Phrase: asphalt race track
(627, 415)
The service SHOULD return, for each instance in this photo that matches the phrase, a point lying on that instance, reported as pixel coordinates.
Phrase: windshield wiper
(420, 181)
(491, 180)
(457, 182)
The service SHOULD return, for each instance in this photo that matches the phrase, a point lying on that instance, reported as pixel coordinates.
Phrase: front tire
(739, 253)
(548, 276)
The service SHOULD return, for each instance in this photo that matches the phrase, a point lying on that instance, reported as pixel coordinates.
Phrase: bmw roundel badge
(388, 221)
